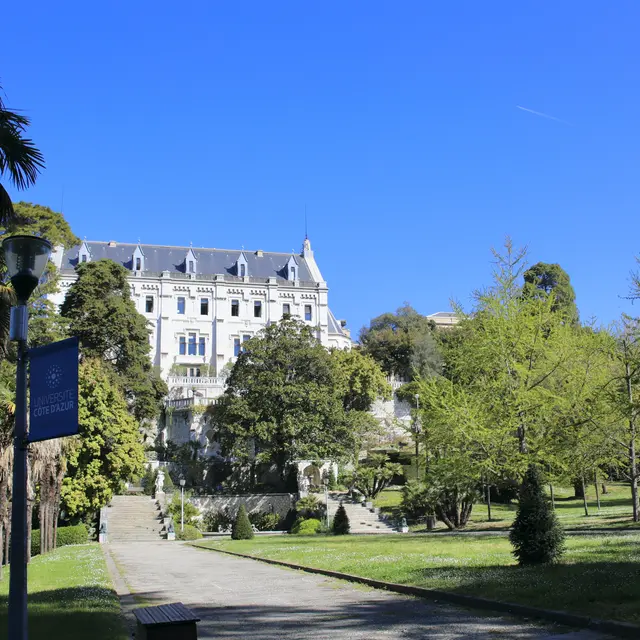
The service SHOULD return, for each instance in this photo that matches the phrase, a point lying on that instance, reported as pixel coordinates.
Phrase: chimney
(259, 253)
(112, 243)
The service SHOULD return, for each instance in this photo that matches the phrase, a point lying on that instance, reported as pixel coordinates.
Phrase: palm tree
(20, 160)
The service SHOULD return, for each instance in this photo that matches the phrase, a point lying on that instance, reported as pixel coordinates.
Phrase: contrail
(542, 115)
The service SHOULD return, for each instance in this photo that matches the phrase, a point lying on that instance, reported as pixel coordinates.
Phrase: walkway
(238, 598)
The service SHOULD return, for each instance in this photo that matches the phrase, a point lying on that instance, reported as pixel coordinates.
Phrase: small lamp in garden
(26, 258)
(182, 483)
(417, 430)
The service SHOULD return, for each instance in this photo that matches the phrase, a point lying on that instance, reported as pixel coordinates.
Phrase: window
(181, 306)
(83, 257)
(235, 307)
(243, 270)
(148, 304)
(191, 268)
(192, 344)
(245, 338)
(286, 309)
(307, 312)
(293, 273)
(194, 372)
(257, 309)
(138, 264)
(183, 345)
(236, 347)
(204, 306)
(201, 347)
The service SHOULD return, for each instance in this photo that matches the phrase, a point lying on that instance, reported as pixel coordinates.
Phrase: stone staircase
(361, 519)
(133, 518)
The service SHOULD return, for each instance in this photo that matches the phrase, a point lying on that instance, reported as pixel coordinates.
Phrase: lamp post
(416, 428)
(26, 258)
(182, 482)
(325, 482)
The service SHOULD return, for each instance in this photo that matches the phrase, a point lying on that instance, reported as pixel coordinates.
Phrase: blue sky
(395, 124)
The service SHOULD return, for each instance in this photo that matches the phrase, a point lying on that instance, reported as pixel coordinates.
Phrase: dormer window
(190, 262)
(83, 257)
(292, 269)
(84, 254)
(242, 268)
(138, 259)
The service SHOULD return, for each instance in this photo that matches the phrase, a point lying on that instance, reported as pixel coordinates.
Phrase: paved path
(238, 598)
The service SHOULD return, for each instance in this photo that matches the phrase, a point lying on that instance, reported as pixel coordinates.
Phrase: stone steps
(133, 518)
(361, 519)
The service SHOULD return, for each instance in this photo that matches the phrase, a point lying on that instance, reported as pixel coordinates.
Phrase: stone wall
(279, 503)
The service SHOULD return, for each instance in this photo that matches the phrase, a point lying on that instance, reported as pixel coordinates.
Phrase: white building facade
(202, 304)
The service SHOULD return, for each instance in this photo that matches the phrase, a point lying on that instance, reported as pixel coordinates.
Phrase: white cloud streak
(542, 115)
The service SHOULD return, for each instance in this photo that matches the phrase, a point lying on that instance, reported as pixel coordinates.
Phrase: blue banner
(54, 390)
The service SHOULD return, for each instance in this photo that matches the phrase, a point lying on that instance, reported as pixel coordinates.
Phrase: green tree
(282, 402)
(544, 279)
(108, 450)
(242, 529)
(397, 341)
(374, 474)
(341, 525)
(20, 160)
(102, 314)
(536, 536)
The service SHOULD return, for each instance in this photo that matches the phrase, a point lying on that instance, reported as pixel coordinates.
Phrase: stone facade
(279, 503)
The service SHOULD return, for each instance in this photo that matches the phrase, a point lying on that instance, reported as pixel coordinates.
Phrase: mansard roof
(334, 325)
(158, 258)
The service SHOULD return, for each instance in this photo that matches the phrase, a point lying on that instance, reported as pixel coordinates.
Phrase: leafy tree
(191, 512)
(282, 402)
(108, 449)
(536, 536)
(545, 279)
(20, 160)
(102, 314)
(242, 529)
(392, 340)
(374, 475)
(341, 524)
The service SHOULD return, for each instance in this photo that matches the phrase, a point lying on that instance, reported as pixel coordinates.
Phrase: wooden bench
(166, 622)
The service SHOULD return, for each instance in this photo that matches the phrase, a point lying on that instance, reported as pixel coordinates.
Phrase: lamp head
(182, 481)
(26, 258)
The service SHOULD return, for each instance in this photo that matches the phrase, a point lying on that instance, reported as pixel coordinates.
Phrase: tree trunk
(29, 523)
(633, 465)
(578, 488)
(584, 496)
(605, 489)
(1, 552)
(553, 501)
(489, 501)
(595, 481)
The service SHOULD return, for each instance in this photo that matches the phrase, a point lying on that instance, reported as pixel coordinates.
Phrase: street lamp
(416, 428)
(26, 258)
(182, 483)
(325, 482)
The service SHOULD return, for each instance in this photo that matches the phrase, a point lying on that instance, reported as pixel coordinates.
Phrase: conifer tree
(242, 527)
(537, 536)
(341, 524)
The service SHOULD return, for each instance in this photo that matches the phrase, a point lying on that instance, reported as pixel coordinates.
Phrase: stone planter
(171, 535)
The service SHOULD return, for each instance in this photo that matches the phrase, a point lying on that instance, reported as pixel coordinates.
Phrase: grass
(597, 577)
(70, 597)
(615, 510)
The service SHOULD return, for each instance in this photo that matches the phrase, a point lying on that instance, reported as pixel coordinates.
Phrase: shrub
(415, 501)
(309, 507)
(168, 486)
(190, 533)
(148, 481)
(190, 511)
(288, 521)
(306, 527)
(264, 521)
(341, 524)
(214, 520)
(537, 537)
(77, 534)
(242, 527)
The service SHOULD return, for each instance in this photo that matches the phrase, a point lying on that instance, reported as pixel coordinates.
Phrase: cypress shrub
(242, 527)
(341, 524)
(536, 536)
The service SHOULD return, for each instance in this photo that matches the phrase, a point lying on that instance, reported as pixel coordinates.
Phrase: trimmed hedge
(190, 533)
(307, 527)
(242, 527)
(77, 534)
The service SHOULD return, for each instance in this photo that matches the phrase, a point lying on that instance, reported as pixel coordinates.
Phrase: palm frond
(19, 157)
(6, 207)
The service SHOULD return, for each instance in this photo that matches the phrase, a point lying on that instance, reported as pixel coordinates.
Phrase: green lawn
(598, 576)
(70, 597)
(616, 510)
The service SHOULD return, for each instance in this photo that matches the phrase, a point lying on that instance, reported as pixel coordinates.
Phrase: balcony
(194, 381)
(188, 403)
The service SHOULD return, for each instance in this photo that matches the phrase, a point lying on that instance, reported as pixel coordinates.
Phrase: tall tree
(20, 160)
(108, 449)
(282, 402)
(102, 314)
(392, 339)
(545, 279)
